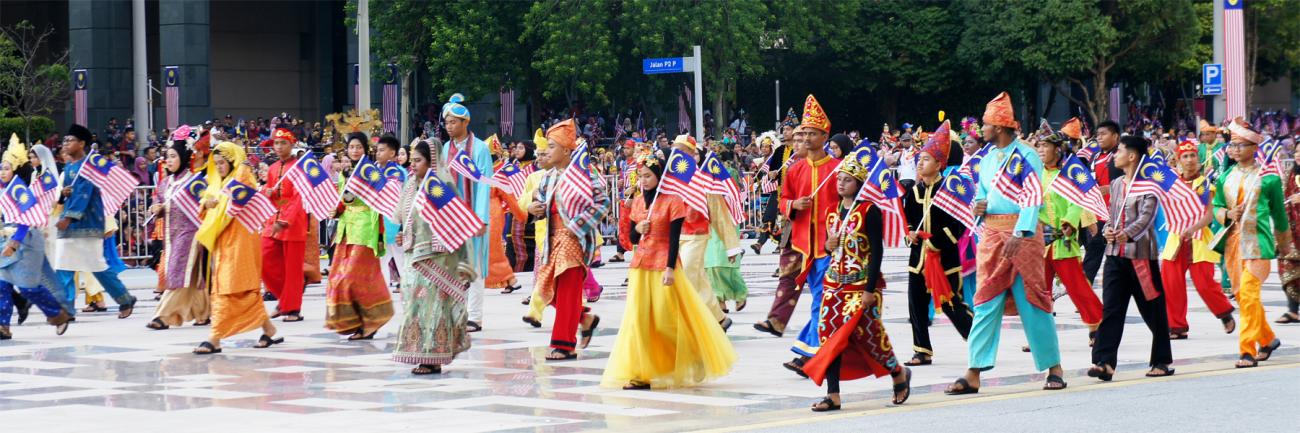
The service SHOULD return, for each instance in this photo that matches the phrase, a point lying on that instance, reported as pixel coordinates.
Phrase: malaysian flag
(464, 166)
(971, 168)
(575, 188)
(680, 180)
(722, 184)
(1182, 205)
(80, 81)
(250, 207)
(1267, 155)
(46, 189)
(378, 191)
(395, 171)
(115, 184)
(1076, 184)
(1089, 149)
(172, 94)
(1234, 66)
(319, 196)
(186, 194)
(955, 198)
(390, 100)
(451, 220)
(1019, 182)
(511, 178)
(882, 189)
(20, 206)
(507, 113)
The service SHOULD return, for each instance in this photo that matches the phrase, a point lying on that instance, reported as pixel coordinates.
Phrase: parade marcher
(773, 167)
(502, 208)
(80, 244)
(537, 301)
(850, 331)
(807, 200)
(357, 301)
(934, 265)
(23, 264)
(1010, 261)
(668, 338)
(522, 242)
(285, 236)
(566, 250)
(456, 120)
(1062, 221)
(1132, 268)
(723, 256)
(434, 320)
(386, 152)
(185, 274)
(1190, 251)
(1250, 205)
(1289, 265)
(236, 299)
(695, 241)
(1103, 169)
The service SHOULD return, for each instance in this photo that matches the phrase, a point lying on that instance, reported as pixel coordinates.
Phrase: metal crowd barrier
(135, 228)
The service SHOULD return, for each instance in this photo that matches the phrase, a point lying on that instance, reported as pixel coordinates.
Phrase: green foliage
(575, 56)
(1276, 39)
(41, 127)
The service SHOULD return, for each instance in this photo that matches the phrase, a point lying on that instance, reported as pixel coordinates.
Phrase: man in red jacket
(284, 236)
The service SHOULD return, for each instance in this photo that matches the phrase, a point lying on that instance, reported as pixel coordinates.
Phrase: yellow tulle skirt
(668, 337)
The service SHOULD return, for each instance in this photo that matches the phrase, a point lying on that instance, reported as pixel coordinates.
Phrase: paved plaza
(108, 375)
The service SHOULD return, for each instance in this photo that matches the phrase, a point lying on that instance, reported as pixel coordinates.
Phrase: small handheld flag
(21, 206)
(248, 206)
(680, 180)
(1019, 182)
(956, 197)
(1076, 185)
(450, 219)
(319, 196)
(115, 183)
(380, 192)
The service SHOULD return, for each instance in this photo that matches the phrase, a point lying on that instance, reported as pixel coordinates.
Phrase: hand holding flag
(380, 192)
(248, 206)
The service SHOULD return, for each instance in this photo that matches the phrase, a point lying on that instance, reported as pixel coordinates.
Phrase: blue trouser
(38, 296)
(107, 278)
(1040, 329)
(968, 290)
(809, 339)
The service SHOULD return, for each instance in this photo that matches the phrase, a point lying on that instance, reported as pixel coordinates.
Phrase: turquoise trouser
(1040, 329)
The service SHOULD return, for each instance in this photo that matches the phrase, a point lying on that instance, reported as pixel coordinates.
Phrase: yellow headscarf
(215, 219)
(16, 153)
(539, 140)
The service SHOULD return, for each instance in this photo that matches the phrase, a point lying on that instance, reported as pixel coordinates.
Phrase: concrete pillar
(184, 40)
(99, 41)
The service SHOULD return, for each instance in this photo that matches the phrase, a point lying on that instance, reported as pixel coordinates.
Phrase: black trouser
(769, 219)
(1118, 285)
(918, 310)
(1094, 249)
(833, 376)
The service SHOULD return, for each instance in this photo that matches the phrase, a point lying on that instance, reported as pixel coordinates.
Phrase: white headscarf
(48, 165)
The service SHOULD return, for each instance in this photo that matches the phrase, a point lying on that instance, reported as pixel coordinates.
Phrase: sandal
(1288, 317)
(360, 336)
(472, 326)
(124, 311)
(740, 306)
(563, 355)
(636, 386)
(424, 369)
(1229, 324)
(61, 328)
(206, 348)
(1266, 352)
(94, 307)
(5, 334)
(905, 386)
(766, 326)
(203, 323)
(758, 249)
(1092, 338)
(919, 360)
(156, 324)
(826, 405)
(531, 321)
(292, 316)
(1177, 335)
(1102, 371)
(965, 388)
(617, 259)
(723, 306)
(510, 289)
(1249, 361)
(725, 324)
(1164, 371)
(1025, 349)
(266, 341)
(1054, 383)
(527, 299)
(587, 333)
(796, 365)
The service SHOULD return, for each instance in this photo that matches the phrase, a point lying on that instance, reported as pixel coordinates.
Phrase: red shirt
(808, 228)
(287, 201)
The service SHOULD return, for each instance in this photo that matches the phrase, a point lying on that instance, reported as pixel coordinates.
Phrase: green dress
(723, 274)
(434, 321)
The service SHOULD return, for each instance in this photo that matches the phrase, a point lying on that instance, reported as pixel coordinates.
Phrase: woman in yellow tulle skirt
(668, 337)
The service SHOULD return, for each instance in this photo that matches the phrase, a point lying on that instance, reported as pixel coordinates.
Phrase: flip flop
(1054, 379)
(906, 385)
(965, 388)
(208, 347)
(266, 341)
(587, 333)
(1266, 352)
(766, 326)
(826, 405)
(1165, 371)
(531, 321)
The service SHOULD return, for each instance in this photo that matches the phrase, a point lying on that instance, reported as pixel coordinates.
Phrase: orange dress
(500, 273)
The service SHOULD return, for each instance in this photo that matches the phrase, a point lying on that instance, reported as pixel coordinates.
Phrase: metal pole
(699, 95)
(139, 76)
(363, 56)
(777, 127)
(149, 103)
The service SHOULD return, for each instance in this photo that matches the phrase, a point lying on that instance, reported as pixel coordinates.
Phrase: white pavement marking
(670, 397)
(215, 394)
(551, 404)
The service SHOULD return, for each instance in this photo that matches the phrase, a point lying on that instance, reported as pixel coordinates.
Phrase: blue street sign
(1212, 79)
(670, 65)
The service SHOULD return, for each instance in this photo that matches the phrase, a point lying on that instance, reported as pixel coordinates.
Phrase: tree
(575, 56)
(29, 86)
(1272, 42)
(1085, 43)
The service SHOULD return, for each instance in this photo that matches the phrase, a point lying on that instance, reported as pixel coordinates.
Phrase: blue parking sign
(1212, 79)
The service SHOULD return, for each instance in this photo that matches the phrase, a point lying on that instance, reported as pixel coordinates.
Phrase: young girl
(23, 265)
(356, 299)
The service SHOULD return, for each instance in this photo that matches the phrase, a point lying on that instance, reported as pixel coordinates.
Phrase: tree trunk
(719, 108)
(1100, 106)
